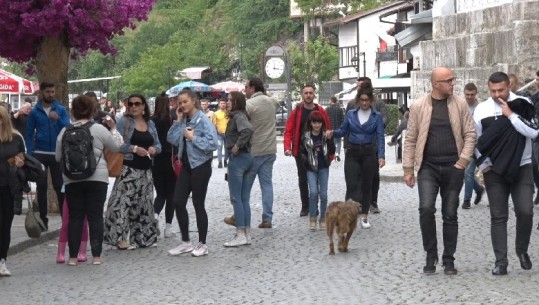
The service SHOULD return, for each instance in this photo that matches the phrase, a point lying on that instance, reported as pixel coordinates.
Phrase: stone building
(477, 38)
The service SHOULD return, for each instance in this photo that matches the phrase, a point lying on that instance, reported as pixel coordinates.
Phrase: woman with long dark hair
(163, 174)
(366, 151)
(238, 144)
(130, 207)
(11, 145)
(196, 138)
(86, 197)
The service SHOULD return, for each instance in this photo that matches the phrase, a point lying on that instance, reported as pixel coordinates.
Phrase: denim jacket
(371, 131)
(129, 122)
(200, 148)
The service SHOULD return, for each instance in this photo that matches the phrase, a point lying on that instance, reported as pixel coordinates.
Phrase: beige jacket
(462, 125)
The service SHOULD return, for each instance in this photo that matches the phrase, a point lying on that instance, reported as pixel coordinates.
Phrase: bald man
(440, 141)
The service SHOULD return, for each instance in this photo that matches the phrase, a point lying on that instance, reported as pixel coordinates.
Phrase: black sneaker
(430, 266)
(449, 269)
(220, 165)
(337, 158)
(466, 204)
(479, 195)
(226, 163)
(304, 212)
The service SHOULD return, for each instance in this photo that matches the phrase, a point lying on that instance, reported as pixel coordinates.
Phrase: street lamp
(170, 71)
(355, 61)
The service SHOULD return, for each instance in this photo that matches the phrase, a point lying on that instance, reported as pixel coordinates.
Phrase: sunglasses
(131, 104)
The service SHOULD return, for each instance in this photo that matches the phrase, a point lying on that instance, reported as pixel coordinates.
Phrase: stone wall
(477, 43)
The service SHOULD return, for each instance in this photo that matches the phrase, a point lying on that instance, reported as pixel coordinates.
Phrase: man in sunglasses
(440, 142)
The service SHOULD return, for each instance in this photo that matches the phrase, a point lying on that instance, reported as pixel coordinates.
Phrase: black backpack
(78, 158)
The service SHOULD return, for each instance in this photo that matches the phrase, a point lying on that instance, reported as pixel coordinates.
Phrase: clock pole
(277, 51)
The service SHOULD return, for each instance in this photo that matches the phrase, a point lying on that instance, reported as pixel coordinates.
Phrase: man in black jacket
(499, 186)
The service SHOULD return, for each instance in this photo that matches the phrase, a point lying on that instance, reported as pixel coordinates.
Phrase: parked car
(280, 119)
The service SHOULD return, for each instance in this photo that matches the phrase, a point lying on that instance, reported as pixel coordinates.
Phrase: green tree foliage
(314, 62)
(184, 33)
(328, 7)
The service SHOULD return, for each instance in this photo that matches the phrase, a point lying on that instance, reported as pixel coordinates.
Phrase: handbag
(176, 164)
(115, 160)
(33, 223)
(174, 160)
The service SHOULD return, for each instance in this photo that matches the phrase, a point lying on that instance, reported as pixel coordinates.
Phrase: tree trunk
(51, 65)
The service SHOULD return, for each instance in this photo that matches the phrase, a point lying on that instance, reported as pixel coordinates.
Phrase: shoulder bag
(175, 161)
(115, 160)
(33, 223)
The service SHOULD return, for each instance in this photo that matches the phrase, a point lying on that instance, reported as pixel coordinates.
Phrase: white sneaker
(3, 268)
(184, 247)
(238, 240)
(365, 223)
(168, 231)
(200, 250)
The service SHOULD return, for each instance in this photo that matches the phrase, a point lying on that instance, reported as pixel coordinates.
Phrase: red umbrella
(229, 86)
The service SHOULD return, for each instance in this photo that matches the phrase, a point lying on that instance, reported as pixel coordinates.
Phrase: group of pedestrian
(441, 140)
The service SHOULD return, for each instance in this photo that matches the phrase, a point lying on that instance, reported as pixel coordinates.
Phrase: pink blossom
(88, 24)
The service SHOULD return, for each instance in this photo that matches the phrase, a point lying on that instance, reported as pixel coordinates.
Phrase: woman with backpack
(162, 171)
(130, 208)
(86, 194)
(317, 152)
(11, 145)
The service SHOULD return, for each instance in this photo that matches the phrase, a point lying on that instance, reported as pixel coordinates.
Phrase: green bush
(393, 112)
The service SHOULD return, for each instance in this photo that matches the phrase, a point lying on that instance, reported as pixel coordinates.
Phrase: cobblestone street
(287, 264)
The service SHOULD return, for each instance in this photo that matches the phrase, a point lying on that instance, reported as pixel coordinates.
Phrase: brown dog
(343, 217)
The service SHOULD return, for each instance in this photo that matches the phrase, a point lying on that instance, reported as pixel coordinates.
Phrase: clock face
(274, 67)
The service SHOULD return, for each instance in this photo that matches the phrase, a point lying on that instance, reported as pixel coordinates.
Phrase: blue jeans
(318, 186)
(447, 180)
(521, 191)
(470, 182)
(263, 167)
(220, 148)
(240, 190)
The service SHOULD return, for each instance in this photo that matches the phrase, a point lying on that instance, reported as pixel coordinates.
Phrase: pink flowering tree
(46, 33)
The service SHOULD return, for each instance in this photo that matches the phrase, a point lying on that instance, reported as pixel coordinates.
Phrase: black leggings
(6, 219)
(360, 167)
(86, 198)
(196, 181)
(164, 182)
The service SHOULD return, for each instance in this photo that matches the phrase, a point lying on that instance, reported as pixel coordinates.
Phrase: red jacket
(292, 131)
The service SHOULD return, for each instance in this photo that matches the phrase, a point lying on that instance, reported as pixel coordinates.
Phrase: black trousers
(49, 162)
(360, 166)
(6, 219)
(446, 180)
(303, 184)
(195, 181)
(86, 198)
(521, 191)
(164, 181)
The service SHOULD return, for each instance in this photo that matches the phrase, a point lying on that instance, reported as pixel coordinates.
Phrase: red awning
(13, 84)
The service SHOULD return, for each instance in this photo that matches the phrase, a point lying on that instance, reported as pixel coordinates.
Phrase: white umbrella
(229, 86)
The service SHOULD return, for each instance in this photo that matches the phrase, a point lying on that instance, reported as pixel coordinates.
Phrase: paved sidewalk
(288, 264)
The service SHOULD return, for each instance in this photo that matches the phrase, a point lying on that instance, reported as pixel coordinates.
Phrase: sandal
(123, 245)
(72, 261)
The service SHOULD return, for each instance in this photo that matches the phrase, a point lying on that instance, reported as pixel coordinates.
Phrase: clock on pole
(275, 67)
